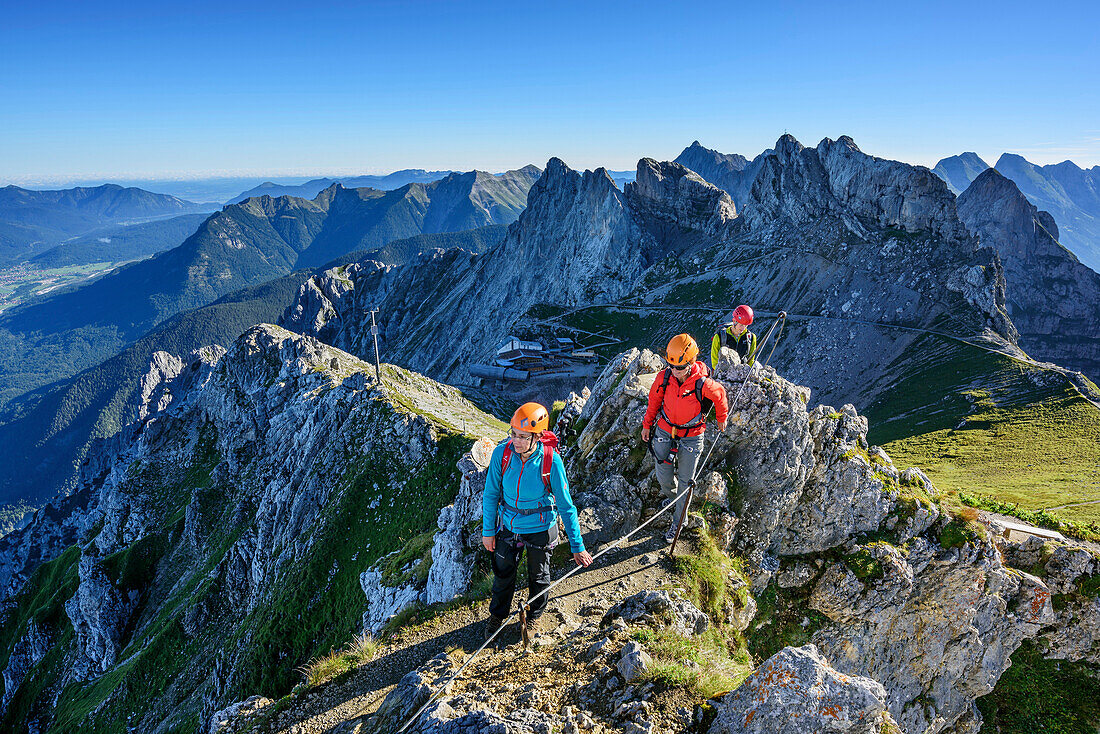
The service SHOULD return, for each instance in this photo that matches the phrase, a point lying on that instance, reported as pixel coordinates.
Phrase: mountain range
(32, 221)
(62, 420)
(310, 189)
(1068, 192)
(244, 244)
(268, 498)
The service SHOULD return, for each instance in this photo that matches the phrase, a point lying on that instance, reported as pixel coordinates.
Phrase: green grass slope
(986, 424)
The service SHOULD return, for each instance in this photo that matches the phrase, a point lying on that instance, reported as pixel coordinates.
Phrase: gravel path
(642, 563)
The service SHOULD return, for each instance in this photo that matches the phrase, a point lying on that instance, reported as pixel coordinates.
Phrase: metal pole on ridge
(377, 360)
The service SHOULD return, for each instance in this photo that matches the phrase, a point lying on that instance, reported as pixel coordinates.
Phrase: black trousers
(505, 561)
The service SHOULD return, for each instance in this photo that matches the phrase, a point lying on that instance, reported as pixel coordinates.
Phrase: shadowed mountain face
(733, 173)
(32, 221)
(1071, 194)
(121, 243)
(1064, 190)
(1053, 299)
(243, 245)
(959, 171)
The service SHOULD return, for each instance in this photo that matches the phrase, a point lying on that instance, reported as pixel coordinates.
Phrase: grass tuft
(360, 650)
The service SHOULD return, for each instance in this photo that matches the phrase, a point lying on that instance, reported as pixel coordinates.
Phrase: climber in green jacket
(735, 336)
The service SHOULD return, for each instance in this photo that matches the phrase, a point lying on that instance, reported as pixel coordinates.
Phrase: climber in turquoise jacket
(525, 491)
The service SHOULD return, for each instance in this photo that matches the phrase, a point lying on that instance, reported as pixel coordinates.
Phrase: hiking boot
(670, 534)
(492, 624)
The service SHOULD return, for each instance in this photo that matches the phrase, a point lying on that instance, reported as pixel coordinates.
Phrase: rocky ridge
(865, 252)
(206, 520)
(912, 608)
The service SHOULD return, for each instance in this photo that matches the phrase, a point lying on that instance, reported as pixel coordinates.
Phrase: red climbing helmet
(742, 315)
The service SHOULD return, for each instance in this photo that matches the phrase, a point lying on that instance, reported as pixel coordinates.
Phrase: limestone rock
(27, 652)
(669, 192)
(1053, 299)
(384, 602)
(608, 512)
(796, 691)
(660, 608)
(99, 613)
(452, 563)
(222, 721)
(633, 662)
(934, 624)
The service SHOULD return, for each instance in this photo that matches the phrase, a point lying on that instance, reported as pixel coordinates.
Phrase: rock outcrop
(929, 610)
(99, 613)
(668, 195)
(1067, 191)
(733, 173)
(27, 651)
(797, 691)
(253, 500)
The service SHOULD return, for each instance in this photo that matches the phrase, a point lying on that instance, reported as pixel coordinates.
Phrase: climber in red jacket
(679, 402)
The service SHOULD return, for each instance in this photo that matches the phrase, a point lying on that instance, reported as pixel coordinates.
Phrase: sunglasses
(679, 368)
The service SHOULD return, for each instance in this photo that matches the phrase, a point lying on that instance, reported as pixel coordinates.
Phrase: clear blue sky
(119, 90)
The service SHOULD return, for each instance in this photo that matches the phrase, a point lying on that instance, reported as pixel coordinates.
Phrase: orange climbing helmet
(531, 417)
(682, 350)
(742, 315)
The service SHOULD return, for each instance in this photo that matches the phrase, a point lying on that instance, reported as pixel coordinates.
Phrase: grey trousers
(676, 476)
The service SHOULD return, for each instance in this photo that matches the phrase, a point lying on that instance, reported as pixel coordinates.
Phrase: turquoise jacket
(521, 486)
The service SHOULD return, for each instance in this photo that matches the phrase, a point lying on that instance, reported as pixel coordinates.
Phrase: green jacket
(744, 345)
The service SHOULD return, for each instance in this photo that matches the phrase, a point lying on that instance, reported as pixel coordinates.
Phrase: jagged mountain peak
(1065, 328)
(787, 146)
(671, 193)
(845, 141)
(837, 177)
(992, 196)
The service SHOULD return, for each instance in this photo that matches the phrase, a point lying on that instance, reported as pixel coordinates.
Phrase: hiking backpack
(705, 404)
(549, 441)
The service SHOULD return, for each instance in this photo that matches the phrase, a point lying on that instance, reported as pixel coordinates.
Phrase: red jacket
(679, 404)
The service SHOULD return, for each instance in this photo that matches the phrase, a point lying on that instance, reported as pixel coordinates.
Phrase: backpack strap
(698, 390)
(547, 464)
(699, 383)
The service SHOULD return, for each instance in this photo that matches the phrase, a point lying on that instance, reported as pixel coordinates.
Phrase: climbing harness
(705, 406)
(607, 549)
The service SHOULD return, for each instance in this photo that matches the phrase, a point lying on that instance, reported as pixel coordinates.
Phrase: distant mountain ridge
(1053, 299)
(245, 244)
(122, 242)
(829, 232)
(1071, 194)
(727, 171)
(310, 189)
(959, 171)
(32, 221)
